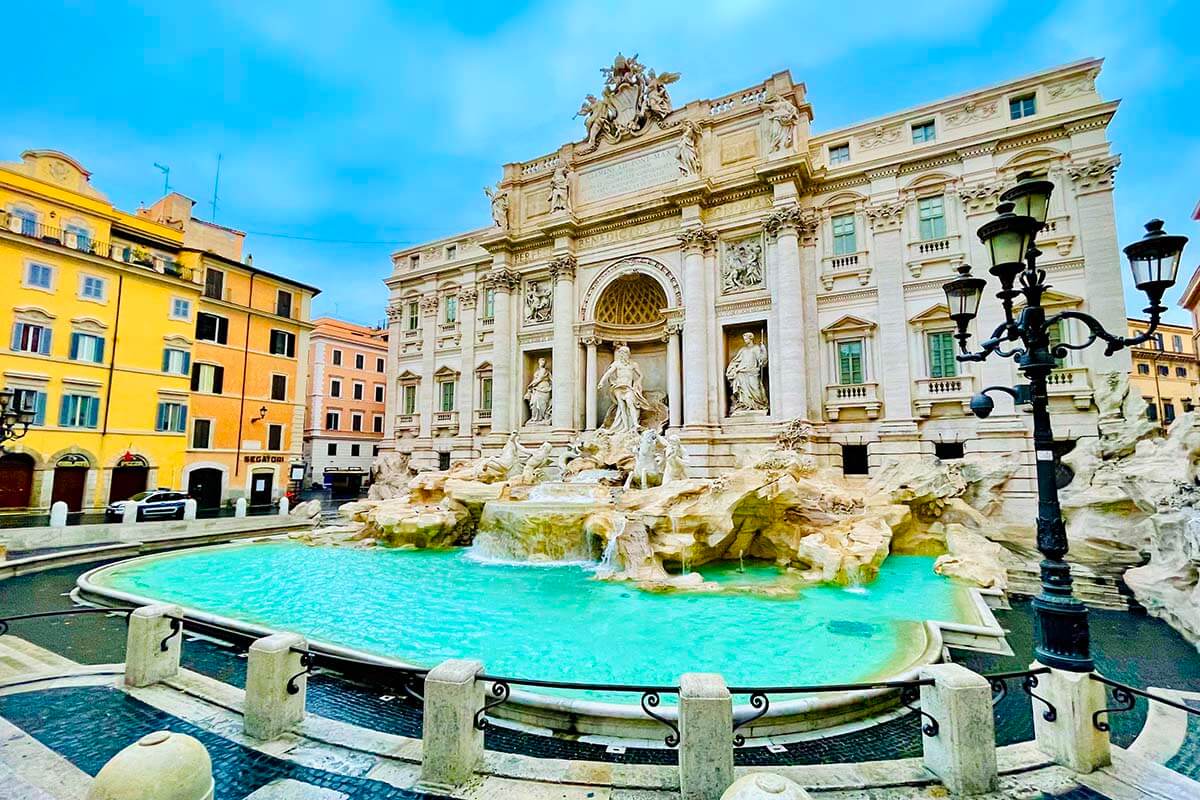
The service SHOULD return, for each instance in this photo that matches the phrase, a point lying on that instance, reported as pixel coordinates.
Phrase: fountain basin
(557, 623)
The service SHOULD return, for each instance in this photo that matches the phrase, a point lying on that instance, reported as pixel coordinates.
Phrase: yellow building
(99, 314)
(1166, 370)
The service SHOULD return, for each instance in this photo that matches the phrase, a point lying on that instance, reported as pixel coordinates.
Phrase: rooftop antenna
(216, 185)
(166, 171)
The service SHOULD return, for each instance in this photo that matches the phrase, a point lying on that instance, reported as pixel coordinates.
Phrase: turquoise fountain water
(557, 622)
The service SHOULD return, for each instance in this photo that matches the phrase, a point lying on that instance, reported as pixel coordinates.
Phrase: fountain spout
(609, 560)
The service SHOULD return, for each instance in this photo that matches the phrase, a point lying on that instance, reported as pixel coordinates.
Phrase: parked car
(156, 504)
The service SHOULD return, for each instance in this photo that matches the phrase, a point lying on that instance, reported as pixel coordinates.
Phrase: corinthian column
(428, 393)
(674, 389)
(590, 378)
(467, 298)
(395, 317)
(696, 379)
(503, 280)
(790, 381)
(887, 251)
(562, 270)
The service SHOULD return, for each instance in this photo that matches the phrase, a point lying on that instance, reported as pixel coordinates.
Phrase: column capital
(502, 280)
(590, 341)
(563, 267)
(1094, 174)
(395, 312)
(790, 218)
(698, 238)
(885, 215)
(429, 304)
(467, 296)
(980, 198)
(672, 329)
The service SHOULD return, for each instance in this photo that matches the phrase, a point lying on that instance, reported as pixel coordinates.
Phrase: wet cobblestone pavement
(88, 726)
(1129, 648)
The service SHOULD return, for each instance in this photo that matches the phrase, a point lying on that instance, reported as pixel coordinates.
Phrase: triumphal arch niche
(635, 302)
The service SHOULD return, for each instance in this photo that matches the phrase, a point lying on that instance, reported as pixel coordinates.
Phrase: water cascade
(610, 560)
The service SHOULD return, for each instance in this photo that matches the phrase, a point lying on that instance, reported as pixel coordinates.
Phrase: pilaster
(427, 396)
(562, 271)
(790, 383)
(503, 281)
(468, 298)
(695, 241)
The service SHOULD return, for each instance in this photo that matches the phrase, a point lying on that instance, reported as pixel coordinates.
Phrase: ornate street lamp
(1061, 620)
(14, 421)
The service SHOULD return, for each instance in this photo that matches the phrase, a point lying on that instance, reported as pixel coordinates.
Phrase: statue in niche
(560, 189)
(673, 460)
(508, 465)
(538, 394)
(535, 466)
(687, 152)
(499, 200)
(538, 302)
(782, 117)
(745, 376)
(624, 379)
(743, 266)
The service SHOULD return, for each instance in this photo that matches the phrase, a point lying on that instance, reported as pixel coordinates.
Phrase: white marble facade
(681, 229)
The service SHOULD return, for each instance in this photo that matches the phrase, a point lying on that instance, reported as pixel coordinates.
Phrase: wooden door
(16, 480)
(260, 488)
(126, 482)
(69, 483)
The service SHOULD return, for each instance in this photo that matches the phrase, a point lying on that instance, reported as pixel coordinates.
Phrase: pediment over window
(88, 325)
(446, 372)
(33, 314)
(408, 376)
(1053, 299)
(938, 312)
(486, 366)
(848, 324)
(175, 340)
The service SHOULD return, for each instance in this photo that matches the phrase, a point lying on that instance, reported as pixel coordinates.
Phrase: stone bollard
(283, 506)
(162, 765)
(451, 746)
(272, 663)
(963, 753)
(58, 515)
(239, 507)
(1071, 739)
(189, 509)
(129, 513)
(150, 627)
(765, 786)
(705, 736)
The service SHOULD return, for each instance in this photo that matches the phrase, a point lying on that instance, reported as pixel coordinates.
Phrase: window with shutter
(279, 387)
(942, 363)
(850, 362)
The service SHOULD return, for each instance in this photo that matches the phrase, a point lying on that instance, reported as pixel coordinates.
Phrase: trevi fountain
(611, 563)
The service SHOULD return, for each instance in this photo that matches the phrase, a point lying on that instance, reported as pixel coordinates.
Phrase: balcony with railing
(855, 264)
(408, 422)
(926, 250)
(936, 391)
(842, 396)
(124, 252)
(445, 419)
(1073, 382)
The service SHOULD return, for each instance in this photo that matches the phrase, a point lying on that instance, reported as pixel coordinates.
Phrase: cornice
(846, 297)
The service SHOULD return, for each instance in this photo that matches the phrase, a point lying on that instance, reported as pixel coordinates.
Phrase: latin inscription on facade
(624, 177)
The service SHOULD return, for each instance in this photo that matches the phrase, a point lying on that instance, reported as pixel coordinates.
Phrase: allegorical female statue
(538, 394)
(744, 374)
(624, 379)
(560, 189)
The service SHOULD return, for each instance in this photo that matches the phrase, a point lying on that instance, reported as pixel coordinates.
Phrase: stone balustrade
(840, 396)
(933, 391)
(955, 712)
(1073, 382)
(445, 419)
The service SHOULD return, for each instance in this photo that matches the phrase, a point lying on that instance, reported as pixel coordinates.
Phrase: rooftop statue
(631, 99)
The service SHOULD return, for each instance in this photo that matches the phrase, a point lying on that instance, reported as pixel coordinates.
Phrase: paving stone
(288, 789)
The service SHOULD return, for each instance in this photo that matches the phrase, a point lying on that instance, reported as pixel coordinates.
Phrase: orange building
(249, 368)
(346, 403)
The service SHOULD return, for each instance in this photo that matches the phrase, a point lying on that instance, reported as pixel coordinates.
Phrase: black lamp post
(1061, 620)
(14, 421)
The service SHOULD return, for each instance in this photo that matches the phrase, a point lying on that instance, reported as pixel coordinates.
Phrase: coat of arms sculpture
(632, 98)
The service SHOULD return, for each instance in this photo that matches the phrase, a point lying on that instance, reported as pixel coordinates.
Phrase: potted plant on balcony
(140, 255)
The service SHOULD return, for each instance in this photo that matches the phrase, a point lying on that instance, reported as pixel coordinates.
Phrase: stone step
(18, 657)
(1024, 580)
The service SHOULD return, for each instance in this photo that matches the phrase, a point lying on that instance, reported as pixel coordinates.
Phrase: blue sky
(377, 124)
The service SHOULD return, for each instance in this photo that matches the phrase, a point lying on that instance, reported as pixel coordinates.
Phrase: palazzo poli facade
(758, 273)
